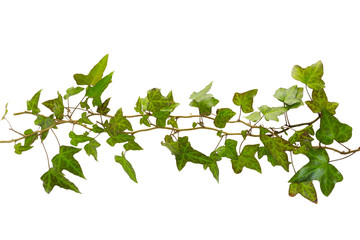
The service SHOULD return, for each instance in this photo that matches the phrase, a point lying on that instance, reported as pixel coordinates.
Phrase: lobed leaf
(306, 189)
(332, 129)
(96, 91)
(76, 139)
(223, 115)
(254, 117)
(54, 178)
(311, 75)
(320, 101)
(203, 101)
(90, 148)
(247, 159)
(32, 105)
(72, 91)
(272, 113)
(291, 97)
(56, 106)
(44, 123)
(245, 100)
(95, 74)
(65, 160)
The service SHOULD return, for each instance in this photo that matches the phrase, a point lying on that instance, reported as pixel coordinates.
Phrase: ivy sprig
(154, 111)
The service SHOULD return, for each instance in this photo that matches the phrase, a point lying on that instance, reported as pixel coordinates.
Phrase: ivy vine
(154, 111)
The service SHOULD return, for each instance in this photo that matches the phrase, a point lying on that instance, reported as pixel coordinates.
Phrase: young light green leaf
(319, 169)
(332, 129)
(65, 161)
(72, 91)
(306, 189)
(145, 120)
(96, 91)
(320, 101)
(203, 101)
(56, 106)
(90, 148)
(254, 117)
(6, 111)
(84, 119)
(126, 166)
(54, 178)
(245, 100)
(20, 148)
(172, 121)
(32, 105)
(223, 115)
(119, 138)
(311, 75)
(272, 113)
(95, 74)
(229, 150)
(291, 97)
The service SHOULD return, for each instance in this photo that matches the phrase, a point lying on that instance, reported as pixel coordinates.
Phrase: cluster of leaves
(154, 105)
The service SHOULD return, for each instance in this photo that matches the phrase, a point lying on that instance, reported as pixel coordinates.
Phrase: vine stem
(47, 155)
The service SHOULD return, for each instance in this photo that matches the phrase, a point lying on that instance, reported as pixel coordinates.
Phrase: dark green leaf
(96, 91)
(132, 145)
(94, 75)
(118, 124)
(72, 91)
(320, 101)
(272, 113)
(332, 129)
(76, 139)
(185, 153)
(56, 106)
(85, 104)
(319, 169)
(303, 136)
(126, 166)
(44, 123)
(97, 129)
(90, 148)
(103, 109)
(246, 159)
(30, 139)
(306, 189)
(65, 161)
(275, 149)
(223, 115)
(32, 105)
(311, 75)
(157, 102)
(214, 169)
(245, 100)
(54, 178)
(291, 97)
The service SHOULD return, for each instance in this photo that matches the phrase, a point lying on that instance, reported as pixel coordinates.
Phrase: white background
(179, 46)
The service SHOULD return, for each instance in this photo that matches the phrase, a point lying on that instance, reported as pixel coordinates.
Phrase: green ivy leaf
(229, 150)
(44, 123)
(54, 178)
(272, 113)
(90, 148)
(103, 109)
(254, 117)
(306, 189)
(19, 148)
(65, 161)
(275, 149)
(245, 100)
(84, 104)
(332, 129)
(203, 101)
(126, 166)
(119, 138)
(145, 120)
(84, 119)
(185, 153)
(32, 105)
(172, 121)
(95, 74)
(311, 75)
(223, 115)
(6, 111)
(96, 91)
(246, 159)
(76, 139)
(320, 101)
(97, 129)
(132, 145)
(244, 133)
(118, 124)
(56, 106)
(303, 136)
(291, 97)
(319, 169)
(72, 91)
